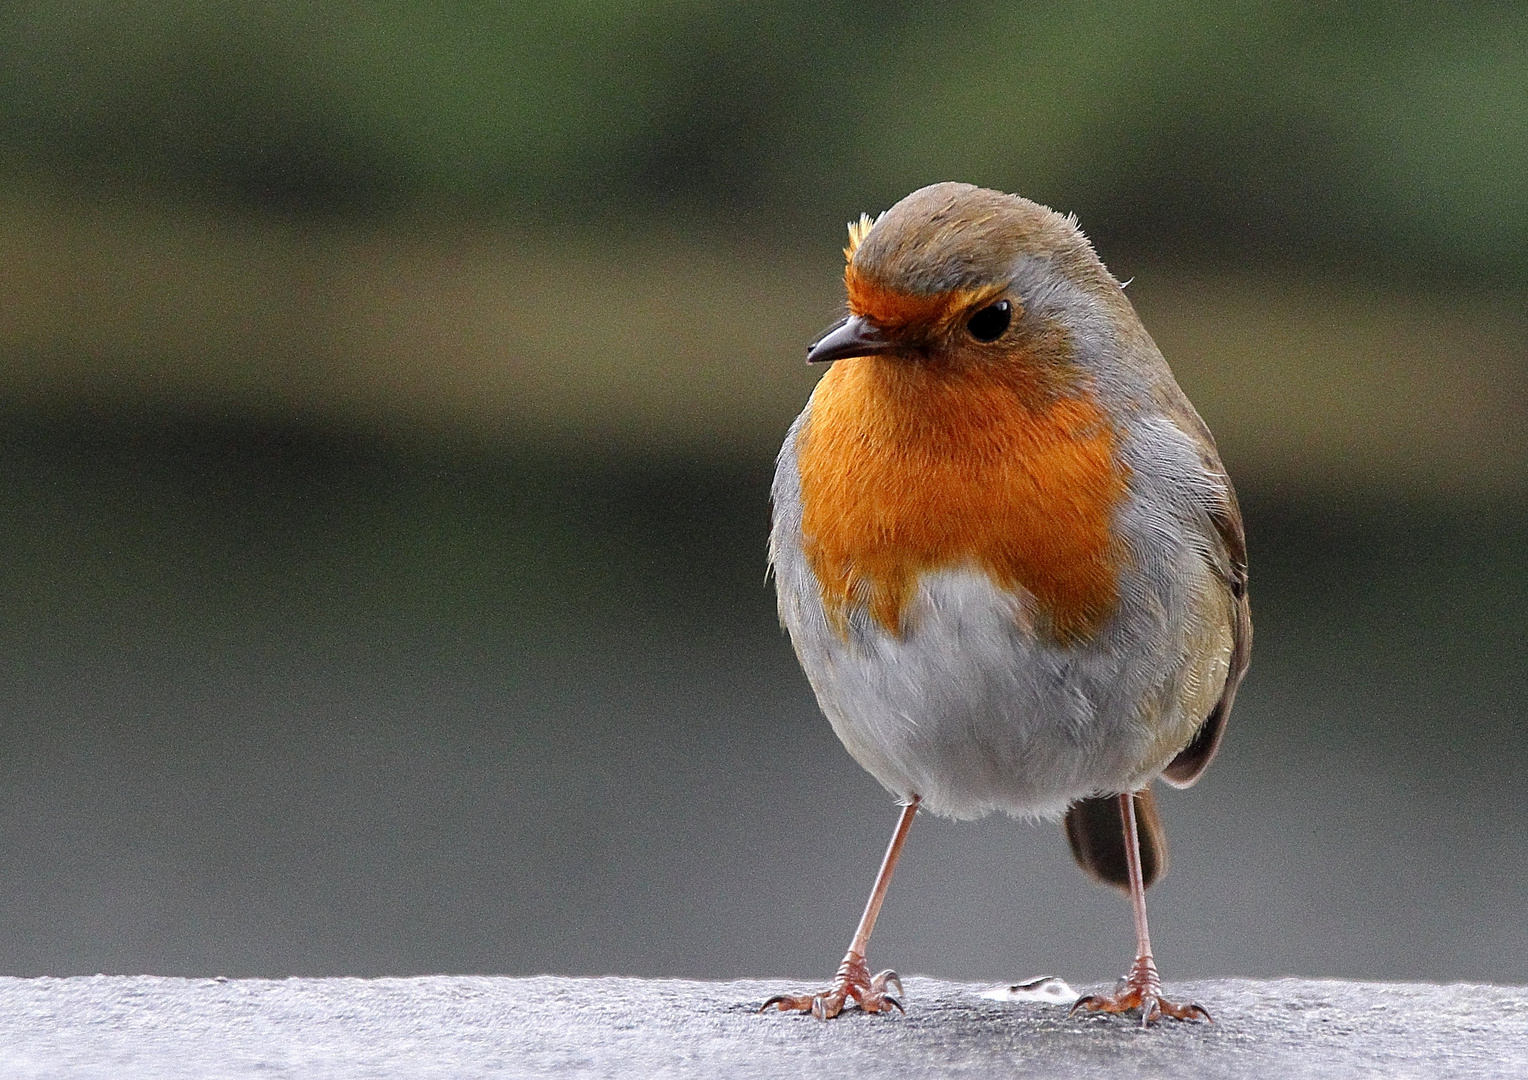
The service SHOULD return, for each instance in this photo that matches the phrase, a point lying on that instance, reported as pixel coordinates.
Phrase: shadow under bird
(1008, 556)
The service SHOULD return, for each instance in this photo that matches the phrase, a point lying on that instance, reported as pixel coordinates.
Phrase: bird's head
(950, 277)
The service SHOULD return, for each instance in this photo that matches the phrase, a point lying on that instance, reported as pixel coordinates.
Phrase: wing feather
(1226, 518)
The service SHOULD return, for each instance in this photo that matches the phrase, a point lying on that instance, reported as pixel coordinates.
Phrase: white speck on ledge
(1046, 989)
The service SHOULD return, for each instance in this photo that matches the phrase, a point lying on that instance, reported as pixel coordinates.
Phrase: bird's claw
(1141, 990)
(852, 986)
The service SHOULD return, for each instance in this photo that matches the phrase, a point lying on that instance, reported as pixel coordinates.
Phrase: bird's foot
(1141, 989)
(853, 985)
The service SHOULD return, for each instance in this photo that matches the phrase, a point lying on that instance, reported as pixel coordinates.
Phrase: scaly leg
(853, 984)
(1142, 988)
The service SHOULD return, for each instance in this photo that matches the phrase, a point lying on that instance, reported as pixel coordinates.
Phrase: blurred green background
(389, 395)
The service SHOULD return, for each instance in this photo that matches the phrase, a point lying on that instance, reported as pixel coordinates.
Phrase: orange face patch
(908, 468)
(894, 310)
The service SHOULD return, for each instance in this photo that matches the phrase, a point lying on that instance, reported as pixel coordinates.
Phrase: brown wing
(1093, 826)
(1193, 759)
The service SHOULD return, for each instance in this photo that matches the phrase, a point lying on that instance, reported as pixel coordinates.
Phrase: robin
(1008, 556)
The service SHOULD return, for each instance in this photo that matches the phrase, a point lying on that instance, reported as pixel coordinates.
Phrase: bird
(1007, 554)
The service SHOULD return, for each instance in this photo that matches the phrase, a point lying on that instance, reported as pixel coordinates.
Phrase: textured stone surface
(462, 1027)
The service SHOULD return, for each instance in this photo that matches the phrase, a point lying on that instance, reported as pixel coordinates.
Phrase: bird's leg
(854, 984)
(1142, 988)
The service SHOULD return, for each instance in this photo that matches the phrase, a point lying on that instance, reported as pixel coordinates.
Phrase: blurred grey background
(387, 401)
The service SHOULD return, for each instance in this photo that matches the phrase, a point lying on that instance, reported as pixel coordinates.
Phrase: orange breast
(907, 468)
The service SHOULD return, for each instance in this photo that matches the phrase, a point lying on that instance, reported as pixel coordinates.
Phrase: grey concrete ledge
(464, 1027)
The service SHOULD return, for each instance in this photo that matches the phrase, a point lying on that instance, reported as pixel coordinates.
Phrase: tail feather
(1096, 832)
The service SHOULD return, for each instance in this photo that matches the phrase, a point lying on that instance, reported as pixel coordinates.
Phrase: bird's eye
(990, 322)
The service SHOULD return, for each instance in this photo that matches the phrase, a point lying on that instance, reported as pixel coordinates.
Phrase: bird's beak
(853, 336)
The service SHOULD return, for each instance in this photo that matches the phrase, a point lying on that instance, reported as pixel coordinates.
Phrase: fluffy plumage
(1006, 567)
